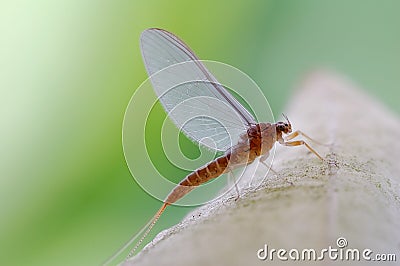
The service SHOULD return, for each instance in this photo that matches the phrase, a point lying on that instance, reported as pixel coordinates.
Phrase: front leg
(301, 133)
(298, 143)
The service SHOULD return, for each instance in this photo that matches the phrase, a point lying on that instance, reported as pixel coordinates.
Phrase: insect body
(161, 49)
(256, 141)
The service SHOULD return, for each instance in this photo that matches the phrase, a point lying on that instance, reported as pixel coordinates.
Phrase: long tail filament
(153, 221)
(146, 229)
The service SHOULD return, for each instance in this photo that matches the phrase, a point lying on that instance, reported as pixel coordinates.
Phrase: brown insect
(161, 49)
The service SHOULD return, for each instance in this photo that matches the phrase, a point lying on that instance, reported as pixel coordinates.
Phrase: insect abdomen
(212, 170)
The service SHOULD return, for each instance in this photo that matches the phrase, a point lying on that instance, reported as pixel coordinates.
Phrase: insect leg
(232, 177)
(263, 158)
(301, 133)
(301, 142)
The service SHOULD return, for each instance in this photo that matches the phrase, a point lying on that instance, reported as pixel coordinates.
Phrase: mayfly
(162, 49)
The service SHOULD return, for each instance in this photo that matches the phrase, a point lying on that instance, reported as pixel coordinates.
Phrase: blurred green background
(69, 68)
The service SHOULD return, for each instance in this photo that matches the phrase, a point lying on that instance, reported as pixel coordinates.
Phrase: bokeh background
(69, 68)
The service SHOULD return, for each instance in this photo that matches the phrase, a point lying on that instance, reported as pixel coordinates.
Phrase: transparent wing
(198, 105)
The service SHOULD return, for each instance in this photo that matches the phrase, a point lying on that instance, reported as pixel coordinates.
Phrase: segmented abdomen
(198, 177)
